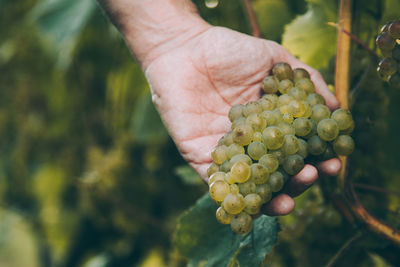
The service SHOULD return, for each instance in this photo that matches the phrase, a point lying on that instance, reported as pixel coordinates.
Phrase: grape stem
(255, 26)
(342, 91)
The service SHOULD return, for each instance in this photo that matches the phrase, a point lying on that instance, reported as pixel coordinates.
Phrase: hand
(195, 84)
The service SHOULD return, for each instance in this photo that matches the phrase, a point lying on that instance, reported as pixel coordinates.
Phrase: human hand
(195, 84)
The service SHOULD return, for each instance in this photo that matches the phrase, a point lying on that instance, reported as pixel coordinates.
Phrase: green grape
(265, 192)
(256, 150)
(328, 153)
(219, 190)
(316, 146)
(320, 112)
(214, 167)
(343, 145)
(226, 166)
(343, 118)
(243, 158)
(234, 188)
(286, 117)
(302, 126)
(387, 67)
(259, 174)
(257, 137)
(308, 112)
(241, 223)
(229, 178)
(270, 162)
(269, 117)
(237, 122)
(233, 203)
(328, 129)
(394, 29)
(278, 115)
(396, 52)
(303, 148)
(314, 99)
(272, 137)
(253, 204)
(297, 93)
(293, 164)
(284, 100)
(313, 130)
(243, 134)
(284, 109)
(219, 154)
(394, 80)
(252, 107)
(306, 85)
(241, 171)
(296, 108)
(236, 112)
(282, 71)
(276, 181)
(256, 121)
(266, 104)
(234, 149)
(216, 176)
(246, 188)
(271, 97)
(348, 130)
(279, 154)
(300, 73)
(286, 128)
(284, 86)
(291, 145)
(223, 216)
(385, 42)
(270, 85)
(227, 139)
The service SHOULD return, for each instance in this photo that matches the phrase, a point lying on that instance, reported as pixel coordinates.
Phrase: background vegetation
(90, 177)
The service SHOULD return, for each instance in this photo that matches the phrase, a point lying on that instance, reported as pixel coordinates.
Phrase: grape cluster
(269, 141)
(388, 41)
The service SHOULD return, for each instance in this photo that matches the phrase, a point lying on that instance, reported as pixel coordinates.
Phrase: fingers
(282, 204)
(330, 167)
(302, 181)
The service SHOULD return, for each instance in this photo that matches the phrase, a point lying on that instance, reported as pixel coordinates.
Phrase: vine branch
(255, 26)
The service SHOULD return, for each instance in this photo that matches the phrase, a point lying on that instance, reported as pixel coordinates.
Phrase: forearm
(153, 27)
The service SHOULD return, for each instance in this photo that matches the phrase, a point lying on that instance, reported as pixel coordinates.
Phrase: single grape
(256, 121)
(214, 167)
(296, 108)
(259, 174)
(252, 107)
(227, 139)
(219, 154)
(343, 118)
(302, 126)
(286, 128)
(303, 148)
(276, 181)
(266, 104)
(272, 137)
(234, 188)
(256, 150)
(279, 154)
(223, 216)
(219, 190)
(316, 146)
(394, 29)
(237, 122)
(243, 134)
(328, 153)
(293, 164)
(343, 145)
(234, 149)
(236, 112)
(270, 162)
(291, 145)
(320, 112)
(257, 137)
(394, 80)
(226, 166)
(253, 204)
(282, 71)
(287, 118)
(270, 85)
(271, 97)
(314, 99)
(387, 67)
(265, 192)
(246, 188)
(300, 73)
(348, 130)
(396, 53)
(284, 100)
(284, 109)
(306, 85)
(284, 86)
(269, 117)
(216, 176)
(297, 93)
(313, 130)
(241, 223)
(328, 129)
(233, 203)
(229, 178)
(243, 158)
(307, 114)
(241, 171)
(385, 42)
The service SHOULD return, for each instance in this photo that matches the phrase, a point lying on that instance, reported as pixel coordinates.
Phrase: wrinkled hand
(195, 84)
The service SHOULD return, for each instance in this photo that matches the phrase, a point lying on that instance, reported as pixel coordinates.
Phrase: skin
(197, 72)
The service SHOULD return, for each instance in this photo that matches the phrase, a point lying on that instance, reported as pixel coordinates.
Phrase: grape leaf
(204, 241)
(309, 37)
(188, 175)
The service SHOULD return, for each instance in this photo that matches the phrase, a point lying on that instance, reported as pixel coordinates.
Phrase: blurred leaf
(188, 175)
(61, 23)
(205, 241)
(146, 123)
(309, 37)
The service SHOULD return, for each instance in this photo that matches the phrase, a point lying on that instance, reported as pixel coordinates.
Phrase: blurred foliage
(90, 177)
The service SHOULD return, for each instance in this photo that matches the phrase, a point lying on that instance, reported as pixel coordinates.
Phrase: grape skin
(223, 216)
(241, 223)
(328, 129)
(343, 145)
(233, 203)
(219, 190)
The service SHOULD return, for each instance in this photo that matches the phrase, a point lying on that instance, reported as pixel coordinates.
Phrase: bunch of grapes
(269, 141)
(388, 41)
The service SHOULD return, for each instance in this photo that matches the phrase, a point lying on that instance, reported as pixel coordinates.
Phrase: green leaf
(204, 241)
(309, 37)
(188, 175)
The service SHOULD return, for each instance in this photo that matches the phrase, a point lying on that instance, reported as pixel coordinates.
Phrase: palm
(195, 85)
